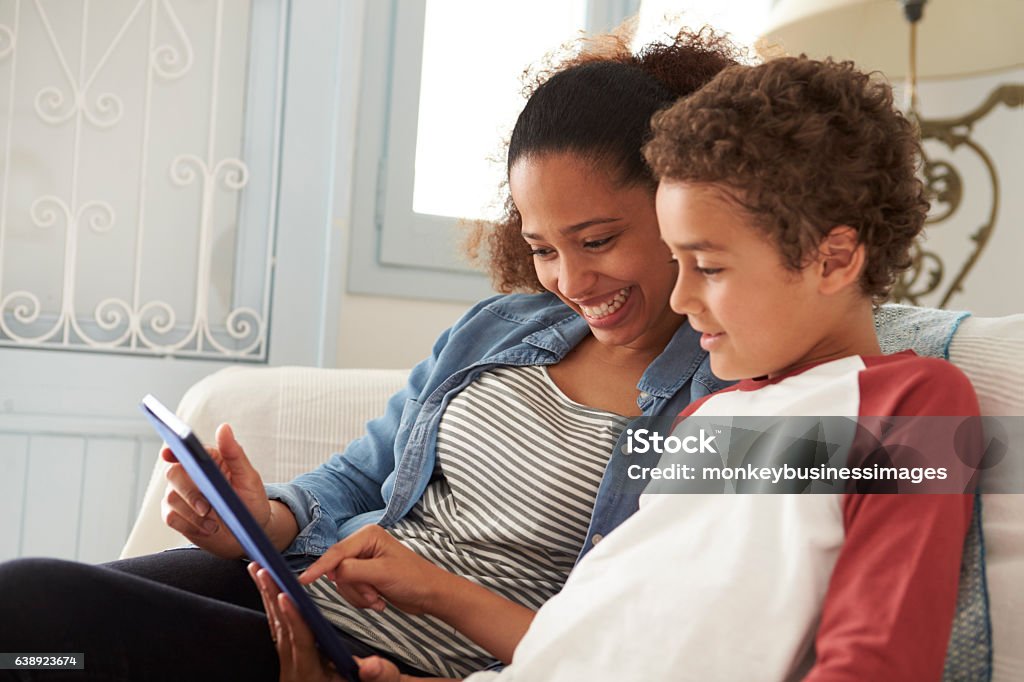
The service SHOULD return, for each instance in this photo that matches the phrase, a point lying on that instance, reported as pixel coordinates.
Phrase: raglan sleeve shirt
(889, 607)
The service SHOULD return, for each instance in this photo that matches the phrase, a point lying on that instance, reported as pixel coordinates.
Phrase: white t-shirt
(732, 587)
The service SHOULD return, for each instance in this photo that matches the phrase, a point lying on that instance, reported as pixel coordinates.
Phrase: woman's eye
(707, 272)
(541, 252)
(597, 243)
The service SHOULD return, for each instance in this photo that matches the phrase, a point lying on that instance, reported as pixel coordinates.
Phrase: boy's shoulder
(907, 367)
(900, 384)
(906, 384)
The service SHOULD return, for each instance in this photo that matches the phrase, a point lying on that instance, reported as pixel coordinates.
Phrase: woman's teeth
(608, 307)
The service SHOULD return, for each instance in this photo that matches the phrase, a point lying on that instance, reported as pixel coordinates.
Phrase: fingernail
(210, 526)
(203, 507)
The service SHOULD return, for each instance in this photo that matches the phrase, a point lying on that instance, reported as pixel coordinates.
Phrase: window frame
(395, 251)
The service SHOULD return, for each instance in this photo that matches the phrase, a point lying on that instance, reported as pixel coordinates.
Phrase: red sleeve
(890, 604)
(889, 607)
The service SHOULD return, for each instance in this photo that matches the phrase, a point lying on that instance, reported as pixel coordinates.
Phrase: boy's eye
(707, 272)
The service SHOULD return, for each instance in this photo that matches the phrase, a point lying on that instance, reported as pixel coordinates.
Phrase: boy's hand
(377, 669)
(371, 568)
(296, 646)
(186, 510)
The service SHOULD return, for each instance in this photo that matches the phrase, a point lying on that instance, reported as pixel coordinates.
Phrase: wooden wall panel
(53, 497)
(13, 467)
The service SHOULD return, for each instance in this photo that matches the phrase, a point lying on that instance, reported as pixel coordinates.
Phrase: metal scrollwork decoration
(945, 189)
(135, 322)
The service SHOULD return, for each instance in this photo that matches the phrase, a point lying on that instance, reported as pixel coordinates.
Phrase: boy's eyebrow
(703, 245)
(573, 229)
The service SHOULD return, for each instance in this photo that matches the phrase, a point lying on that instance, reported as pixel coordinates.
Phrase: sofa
(290, 419)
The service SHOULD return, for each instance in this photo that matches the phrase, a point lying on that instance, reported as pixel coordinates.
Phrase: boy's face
(756, 316)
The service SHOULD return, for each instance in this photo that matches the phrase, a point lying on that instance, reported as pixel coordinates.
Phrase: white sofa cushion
(288, 419)
(990, 351)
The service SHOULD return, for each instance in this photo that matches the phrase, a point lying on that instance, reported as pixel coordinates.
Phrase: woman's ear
(841, 259)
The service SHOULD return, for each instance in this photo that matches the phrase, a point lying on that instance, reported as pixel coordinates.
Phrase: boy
(788, 197)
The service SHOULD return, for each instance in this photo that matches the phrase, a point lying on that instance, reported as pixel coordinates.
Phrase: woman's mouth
(606, 308)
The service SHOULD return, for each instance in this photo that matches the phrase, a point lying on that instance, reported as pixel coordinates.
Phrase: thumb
(375, 669)
(232, 453)
(369, 668)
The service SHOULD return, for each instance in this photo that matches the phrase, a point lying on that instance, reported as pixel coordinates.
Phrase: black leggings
(178, 615)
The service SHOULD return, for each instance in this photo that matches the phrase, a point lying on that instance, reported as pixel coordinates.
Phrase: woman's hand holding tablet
(186, 510)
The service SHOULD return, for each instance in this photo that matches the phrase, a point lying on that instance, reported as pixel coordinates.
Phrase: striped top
(508, 507)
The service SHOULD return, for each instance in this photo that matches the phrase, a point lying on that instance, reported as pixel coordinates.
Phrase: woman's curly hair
(597, 104)
(804, 146)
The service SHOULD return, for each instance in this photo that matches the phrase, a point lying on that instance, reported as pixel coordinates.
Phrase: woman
(489, 470)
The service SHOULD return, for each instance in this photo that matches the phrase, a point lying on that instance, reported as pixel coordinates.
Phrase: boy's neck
(850, 333)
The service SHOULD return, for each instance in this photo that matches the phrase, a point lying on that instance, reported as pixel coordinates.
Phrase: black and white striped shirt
(518, 468)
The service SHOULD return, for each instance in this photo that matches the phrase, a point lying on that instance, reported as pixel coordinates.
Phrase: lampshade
(955, 37)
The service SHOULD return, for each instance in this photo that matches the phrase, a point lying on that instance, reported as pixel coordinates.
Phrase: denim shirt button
(596, 538)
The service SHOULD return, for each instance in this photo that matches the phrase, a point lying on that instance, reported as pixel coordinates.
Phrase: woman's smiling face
(596, 246)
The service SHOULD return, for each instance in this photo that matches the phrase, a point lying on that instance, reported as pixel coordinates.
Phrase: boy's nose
(684, 298)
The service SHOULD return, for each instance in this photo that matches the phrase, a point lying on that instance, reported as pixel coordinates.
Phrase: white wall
(390, 332)
(372, 331)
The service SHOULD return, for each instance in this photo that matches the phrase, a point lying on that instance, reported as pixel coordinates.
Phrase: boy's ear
(841, 259)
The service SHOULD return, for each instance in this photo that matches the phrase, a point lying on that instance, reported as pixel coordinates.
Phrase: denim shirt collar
(678, 363)
(562, 336)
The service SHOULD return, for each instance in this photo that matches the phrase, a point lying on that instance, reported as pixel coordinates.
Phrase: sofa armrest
(990, 351)
(288, 419)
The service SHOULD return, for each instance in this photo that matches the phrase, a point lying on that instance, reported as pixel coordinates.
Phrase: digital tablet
(233, 512)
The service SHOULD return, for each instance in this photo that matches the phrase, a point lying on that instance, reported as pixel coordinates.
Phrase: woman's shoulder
(544, 308)
(503, 322)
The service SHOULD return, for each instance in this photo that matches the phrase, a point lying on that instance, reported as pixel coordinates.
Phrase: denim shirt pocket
(410, 412)
(399, 486)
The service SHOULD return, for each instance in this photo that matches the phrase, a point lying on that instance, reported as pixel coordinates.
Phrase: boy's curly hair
(804, 146)
(597, 102)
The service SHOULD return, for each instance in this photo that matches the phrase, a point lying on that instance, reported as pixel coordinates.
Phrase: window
(441, 84)
(440, 93)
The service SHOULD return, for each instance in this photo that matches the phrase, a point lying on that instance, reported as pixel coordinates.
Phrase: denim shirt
(380, 476)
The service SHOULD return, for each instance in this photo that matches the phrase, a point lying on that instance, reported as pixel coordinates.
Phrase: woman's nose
(576, 277)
